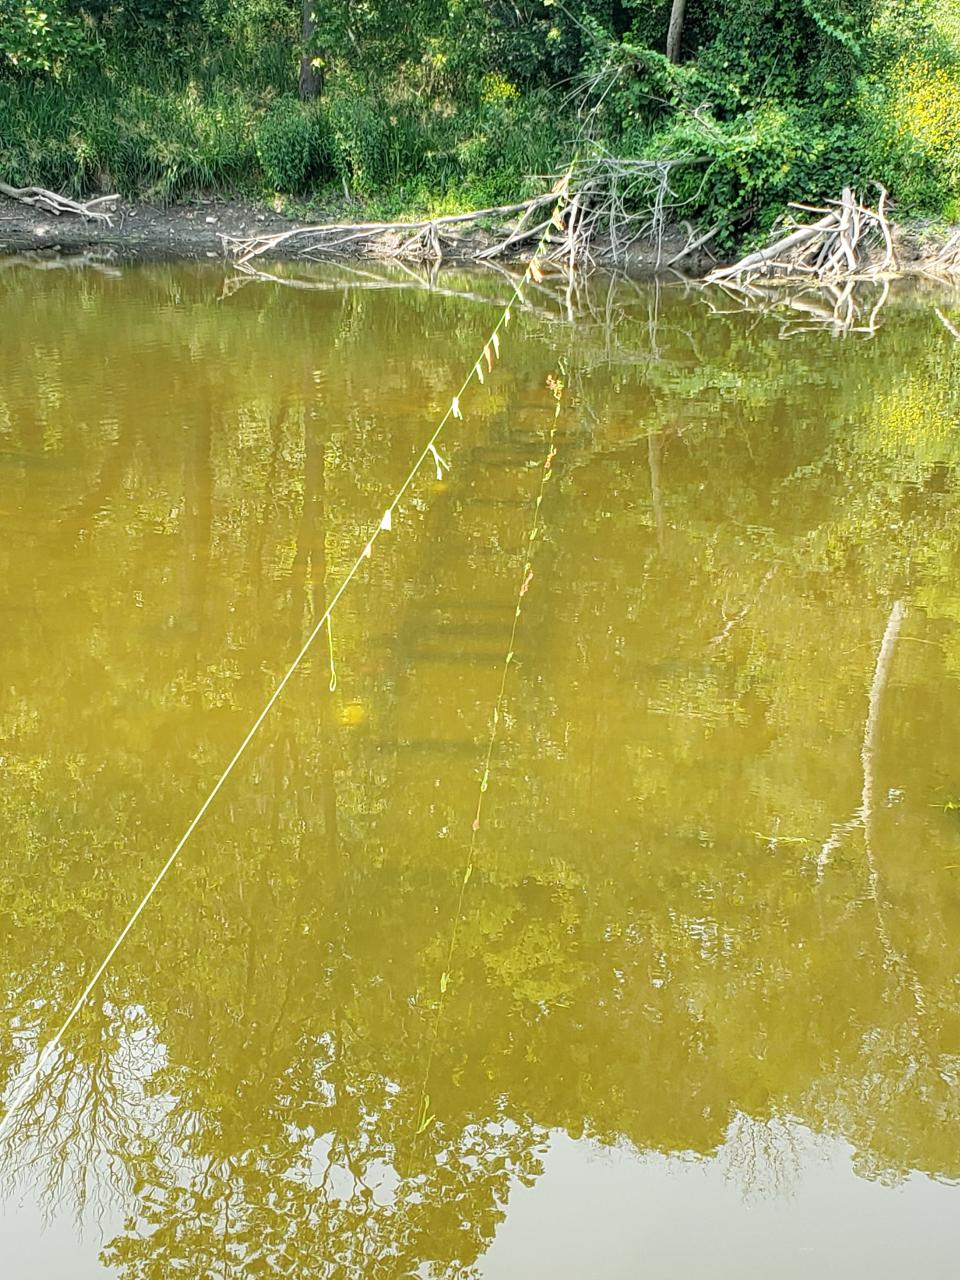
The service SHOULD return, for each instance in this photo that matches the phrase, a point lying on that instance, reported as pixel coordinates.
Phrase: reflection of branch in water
(730, 623)
(864, 815)
(45, 260)
(853, 308)
(654, 458)
(765, 1156)
(367, 279)
(78, 1125)
(948, 325)
(559, 289)
(490, 352)
(880, 677)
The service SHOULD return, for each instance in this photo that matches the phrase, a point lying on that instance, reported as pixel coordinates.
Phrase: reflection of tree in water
(83, 1121)
(335, 1207)
(764, 1156)
(647, 956)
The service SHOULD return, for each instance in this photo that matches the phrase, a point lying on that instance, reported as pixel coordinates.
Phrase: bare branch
(951, 328)
(56, 204)
(610, 203)
(842, 246)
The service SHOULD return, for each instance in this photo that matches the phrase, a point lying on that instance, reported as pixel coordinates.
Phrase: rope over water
(556, 385)
(490, 351)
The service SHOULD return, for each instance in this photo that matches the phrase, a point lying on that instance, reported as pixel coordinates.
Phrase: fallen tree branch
(323, 237)
(756, 262)
(56, 204)
(693, 245)
(947, 261)
(611, 203)
(841, 246)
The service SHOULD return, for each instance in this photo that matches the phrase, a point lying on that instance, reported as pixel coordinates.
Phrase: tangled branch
(613, 203)
(51, 202)
(849, 241)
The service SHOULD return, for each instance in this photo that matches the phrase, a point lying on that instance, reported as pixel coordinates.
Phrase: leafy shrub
(291, 144)
(374, 143)
(41, 38)
(745, 170)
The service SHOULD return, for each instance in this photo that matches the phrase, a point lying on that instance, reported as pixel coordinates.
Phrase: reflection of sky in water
(607, 1212)
(717, 874)
(32, 1244)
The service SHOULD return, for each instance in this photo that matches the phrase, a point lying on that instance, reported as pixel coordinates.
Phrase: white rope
(385, 524)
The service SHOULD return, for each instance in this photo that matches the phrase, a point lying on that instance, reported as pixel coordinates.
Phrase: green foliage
(368, 140)
(292, 144)
(533, 43)
(801, 50)
(166, 21)
(41, 39)
(186, 142)
(454, 101)
(791, 99)
(752, 166)
(140, 141)
(512, 137)
(908, 107)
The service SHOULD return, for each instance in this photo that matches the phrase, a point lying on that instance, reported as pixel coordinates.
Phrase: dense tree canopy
(414, 104)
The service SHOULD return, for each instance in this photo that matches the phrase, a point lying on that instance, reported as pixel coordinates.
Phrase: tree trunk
(675, 29)
(309, 80)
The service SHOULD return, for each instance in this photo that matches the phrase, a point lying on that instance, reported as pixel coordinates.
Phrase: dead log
(51, 202)
(755, 262)
(841, 246)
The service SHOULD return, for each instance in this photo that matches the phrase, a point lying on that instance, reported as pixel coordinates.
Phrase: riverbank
(196, 230)
(139, 231)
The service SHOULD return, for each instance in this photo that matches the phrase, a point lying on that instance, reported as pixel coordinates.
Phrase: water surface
(701, 1005)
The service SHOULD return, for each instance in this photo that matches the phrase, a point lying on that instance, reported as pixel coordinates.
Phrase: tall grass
(167, 126)
(140, 139)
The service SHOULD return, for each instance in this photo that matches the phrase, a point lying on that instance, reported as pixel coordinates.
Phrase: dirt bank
(138, 231)
(148, 232)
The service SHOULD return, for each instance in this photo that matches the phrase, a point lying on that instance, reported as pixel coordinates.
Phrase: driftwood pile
(850, 241)
(598, 211)
(833, 273)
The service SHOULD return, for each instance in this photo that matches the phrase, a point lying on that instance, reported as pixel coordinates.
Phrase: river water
(688, 998)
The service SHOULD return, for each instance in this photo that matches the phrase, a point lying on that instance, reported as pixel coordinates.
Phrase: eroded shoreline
(195, 231)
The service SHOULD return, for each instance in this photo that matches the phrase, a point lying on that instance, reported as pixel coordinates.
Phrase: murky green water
(703, 1003)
